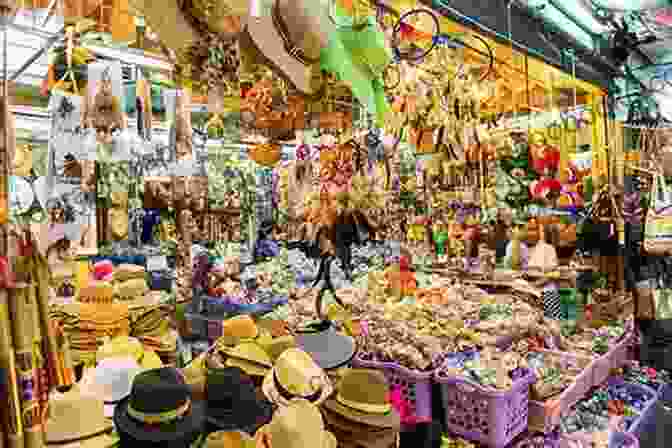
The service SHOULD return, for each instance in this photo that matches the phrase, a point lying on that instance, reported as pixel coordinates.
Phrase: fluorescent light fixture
(664, 100)
(34, 18)
(557, 17)
(633, 5)
(586, 16)
(129, 57)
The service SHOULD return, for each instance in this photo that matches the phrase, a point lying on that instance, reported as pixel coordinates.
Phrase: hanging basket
(266, 154)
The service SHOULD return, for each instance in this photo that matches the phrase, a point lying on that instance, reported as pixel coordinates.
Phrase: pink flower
(651, 372)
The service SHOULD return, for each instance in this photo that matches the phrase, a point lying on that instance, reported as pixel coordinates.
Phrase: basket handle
(466, 387)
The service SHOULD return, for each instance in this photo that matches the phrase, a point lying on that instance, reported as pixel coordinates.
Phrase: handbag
(658, 227)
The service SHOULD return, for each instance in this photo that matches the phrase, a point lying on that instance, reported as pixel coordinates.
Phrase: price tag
(158, 263)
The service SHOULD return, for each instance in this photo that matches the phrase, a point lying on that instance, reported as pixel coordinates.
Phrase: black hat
(329, 349)
(159, 409)
(233, 403)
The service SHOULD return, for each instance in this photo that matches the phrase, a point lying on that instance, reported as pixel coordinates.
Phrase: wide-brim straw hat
(125, 347)
(291, 38)
(298, 425)
(249, 357)
(111, 381)
(74, 417)
(363, 397)
(296, 375)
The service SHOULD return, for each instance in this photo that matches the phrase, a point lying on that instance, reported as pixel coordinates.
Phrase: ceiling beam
(37, 55)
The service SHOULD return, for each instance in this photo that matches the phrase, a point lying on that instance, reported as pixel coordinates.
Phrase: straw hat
(249, 357)
(363, 397)
(111, 381)
(128, 347)
(277, 346)
(229, 439)
(101, 441)
(74, 417)
(295, 375)
(297, 425)
(240, 327)
(96, 292)
(291, 35)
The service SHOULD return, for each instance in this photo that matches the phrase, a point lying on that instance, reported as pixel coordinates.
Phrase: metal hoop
(397, 29)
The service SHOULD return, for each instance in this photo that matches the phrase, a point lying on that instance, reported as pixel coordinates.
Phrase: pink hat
(103, 270)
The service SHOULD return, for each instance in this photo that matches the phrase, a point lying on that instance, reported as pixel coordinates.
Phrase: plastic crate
(482, 415)
(581, 439)
(645, 419)
(416, 387)
(617, 440)
(545, 415)
(613, 359)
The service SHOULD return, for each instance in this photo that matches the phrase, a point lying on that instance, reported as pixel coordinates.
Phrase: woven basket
(267, 154)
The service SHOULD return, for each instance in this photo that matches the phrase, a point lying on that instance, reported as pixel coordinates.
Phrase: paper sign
(159, 263)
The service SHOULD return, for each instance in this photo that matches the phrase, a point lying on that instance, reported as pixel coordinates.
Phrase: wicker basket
(267, 154)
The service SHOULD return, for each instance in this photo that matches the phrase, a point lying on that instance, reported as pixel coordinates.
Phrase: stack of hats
(130, 282)
(96, 291)
(87, 324)
(164, 345)
(360, 414)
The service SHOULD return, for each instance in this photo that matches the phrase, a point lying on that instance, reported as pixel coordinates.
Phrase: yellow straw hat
(298, 425)
(296, 375)
(124, 347)
(249, 357)
(74, 417)
(229, 439)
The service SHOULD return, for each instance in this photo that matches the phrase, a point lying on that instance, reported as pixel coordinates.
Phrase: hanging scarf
(359, 58)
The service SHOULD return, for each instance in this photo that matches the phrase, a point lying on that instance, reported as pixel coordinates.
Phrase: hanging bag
(658, 227)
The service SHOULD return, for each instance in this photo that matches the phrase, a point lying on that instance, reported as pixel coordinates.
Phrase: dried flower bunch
(214, 60)
(183, 130)
(104, 113)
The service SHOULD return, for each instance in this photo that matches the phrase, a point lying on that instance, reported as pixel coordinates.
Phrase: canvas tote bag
(658, 227)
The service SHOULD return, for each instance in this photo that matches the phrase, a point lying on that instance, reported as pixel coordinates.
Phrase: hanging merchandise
(656, 239)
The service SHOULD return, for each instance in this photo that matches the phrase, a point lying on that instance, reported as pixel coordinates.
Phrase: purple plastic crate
(581, 439)
(545, 415)
(613, 359)
(416, 387)
(483, 415)
(617, 439)
(643, 421)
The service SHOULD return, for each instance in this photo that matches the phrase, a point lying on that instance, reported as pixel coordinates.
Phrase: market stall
(324, 224)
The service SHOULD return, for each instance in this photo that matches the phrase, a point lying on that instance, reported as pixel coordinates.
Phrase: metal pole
(4, 173)
(38, 54)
